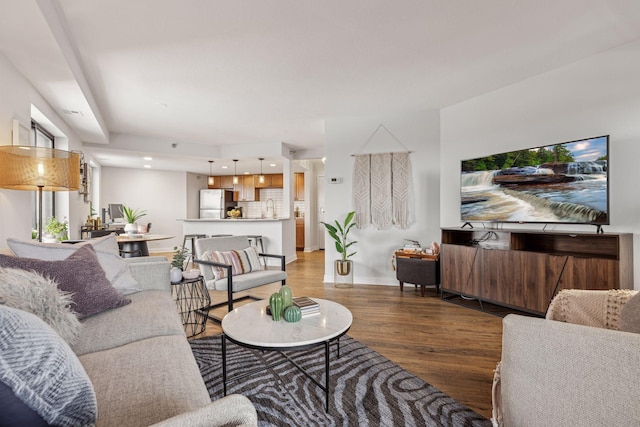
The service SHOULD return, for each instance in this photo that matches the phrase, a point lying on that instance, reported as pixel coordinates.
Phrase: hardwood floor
(451, 347)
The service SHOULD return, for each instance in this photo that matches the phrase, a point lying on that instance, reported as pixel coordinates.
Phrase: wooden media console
(525, 269)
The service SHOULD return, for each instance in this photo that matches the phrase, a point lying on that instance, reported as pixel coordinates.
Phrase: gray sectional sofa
(140, 364)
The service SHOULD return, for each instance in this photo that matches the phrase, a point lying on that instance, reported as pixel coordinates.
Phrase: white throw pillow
(43, 372)
(106, 248)
(30, 291)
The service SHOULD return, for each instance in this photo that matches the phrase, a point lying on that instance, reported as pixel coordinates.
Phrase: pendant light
(261, 177)
(210, 179)
(235, 171)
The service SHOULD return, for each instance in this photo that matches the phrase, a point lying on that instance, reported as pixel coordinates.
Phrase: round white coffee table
(250, 326)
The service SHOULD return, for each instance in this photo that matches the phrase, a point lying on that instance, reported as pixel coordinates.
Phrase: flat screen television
(558, 183)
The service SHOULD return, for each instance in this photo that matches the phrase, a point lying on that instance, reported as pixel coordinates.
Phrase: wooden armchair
(230, 282)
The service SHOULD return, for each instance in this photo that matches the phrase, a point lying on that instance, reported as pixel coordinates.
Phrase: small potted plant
(343, 267)
(177, 264)
(131, 216)
(56, 230)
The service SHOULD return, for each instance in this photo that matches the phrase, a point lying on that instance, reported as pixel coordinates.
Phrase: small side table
(418, 269)
(193, 301)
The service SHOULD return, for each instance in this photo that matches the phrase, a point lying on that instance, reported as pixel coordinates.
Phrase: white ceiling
(206, 74)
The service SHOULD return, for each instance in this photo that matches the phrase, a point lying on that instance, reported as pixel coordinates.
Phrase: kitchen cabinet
(245, 190)
(299, 234)
(277, 180)
(298, 186)
(222, 182)
(273, 180)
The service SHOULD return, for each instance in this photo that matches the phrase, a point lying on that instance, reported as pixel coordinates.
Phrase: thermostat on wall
(335, 180)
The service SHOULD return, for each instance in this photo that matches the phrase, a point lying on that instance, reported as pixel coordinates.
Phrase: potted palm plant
(131, 216)
(343, 267)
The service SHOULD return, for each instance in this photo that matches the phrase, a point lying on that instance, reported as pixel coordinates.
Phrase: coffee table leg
(224, 365)
(326, 370)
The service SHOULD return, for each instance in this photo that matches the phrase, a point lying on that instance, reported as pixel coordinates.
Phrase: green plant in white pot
(131, 216)
(343, 267)
(56, 230)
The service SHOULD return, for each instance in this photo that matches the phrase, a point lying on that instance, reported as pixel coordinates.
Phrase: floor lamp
(38, 169)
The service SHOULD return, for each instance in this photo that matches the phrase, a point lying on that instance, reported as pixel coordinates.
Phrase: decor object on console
(39, 168)
(131, 216)
(343, 268)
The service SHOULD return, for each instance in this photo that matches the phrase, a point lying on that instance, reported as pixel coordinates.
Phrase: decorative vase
(275, 303)
(343, 273)
(292, 314)
(287, 296)
(131, 228)
(175, 274)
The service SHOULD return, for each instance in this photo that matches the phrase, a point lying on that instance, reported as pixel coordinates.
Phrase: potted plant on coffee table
(343, 267)
(131, 216)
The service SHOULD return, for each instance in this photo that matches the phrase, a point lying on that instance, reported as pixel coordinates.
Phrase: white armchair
(231, 283)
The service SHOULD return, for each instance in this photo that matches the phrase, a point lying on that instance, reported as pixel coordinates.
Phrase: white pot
(48, 238)
(175, 274)
(131, 228)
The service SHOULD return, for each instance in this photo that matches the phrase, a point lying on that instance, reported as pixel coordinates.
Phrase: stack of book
(307, 305)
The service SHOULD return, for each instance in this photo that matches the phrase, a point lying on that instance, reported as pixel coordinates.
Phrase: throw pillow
(106, 247)
(32, 292)
(249, 260)
(80, 274)
(43, 372)
(242, 261)
(630, 315)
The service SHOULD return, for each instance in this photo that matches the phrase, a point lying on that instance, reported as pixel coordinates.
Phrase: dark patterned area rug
(366, 388)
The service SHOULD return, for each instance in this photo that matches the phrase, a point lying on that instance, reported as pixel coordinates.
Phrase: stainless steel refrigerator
(214, 203)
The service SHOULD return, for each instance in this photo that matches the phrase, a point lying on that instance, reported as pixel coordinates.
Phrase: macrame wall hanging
(381, 187)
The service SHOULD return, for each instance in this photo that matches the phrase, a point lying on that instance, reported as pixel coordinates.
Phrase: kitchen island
(278, 235)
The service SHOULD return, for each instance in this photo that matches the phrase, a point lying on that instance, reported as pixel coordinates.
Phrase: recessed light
(147, 166)
(273, 165)
(148, 158)
(247, 173)
(161, 104)
(225, 167)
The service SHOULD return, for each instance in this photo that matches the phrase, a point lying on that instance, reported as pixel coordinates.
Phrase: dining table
(135, 245)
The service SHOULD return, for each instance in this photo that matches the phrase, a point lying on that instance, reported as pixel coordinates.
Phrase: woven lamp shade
(28, 168)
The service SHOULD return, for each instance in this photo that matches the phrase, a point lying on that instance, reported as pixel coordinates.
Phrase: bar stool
(193, 238)
(254, 240)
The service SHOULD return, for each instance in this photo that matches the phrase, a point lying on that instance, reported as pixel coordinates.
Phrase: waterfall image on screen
(560, 183)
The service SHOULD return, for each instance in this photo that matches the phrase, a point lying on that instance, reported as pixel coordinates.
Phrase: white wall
(16, 101)
(596, 96)
(161, 193)
(418, 132)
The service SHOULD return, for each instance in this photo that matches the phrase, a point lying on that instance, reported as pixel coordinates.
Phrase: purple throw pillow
(80, 274)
